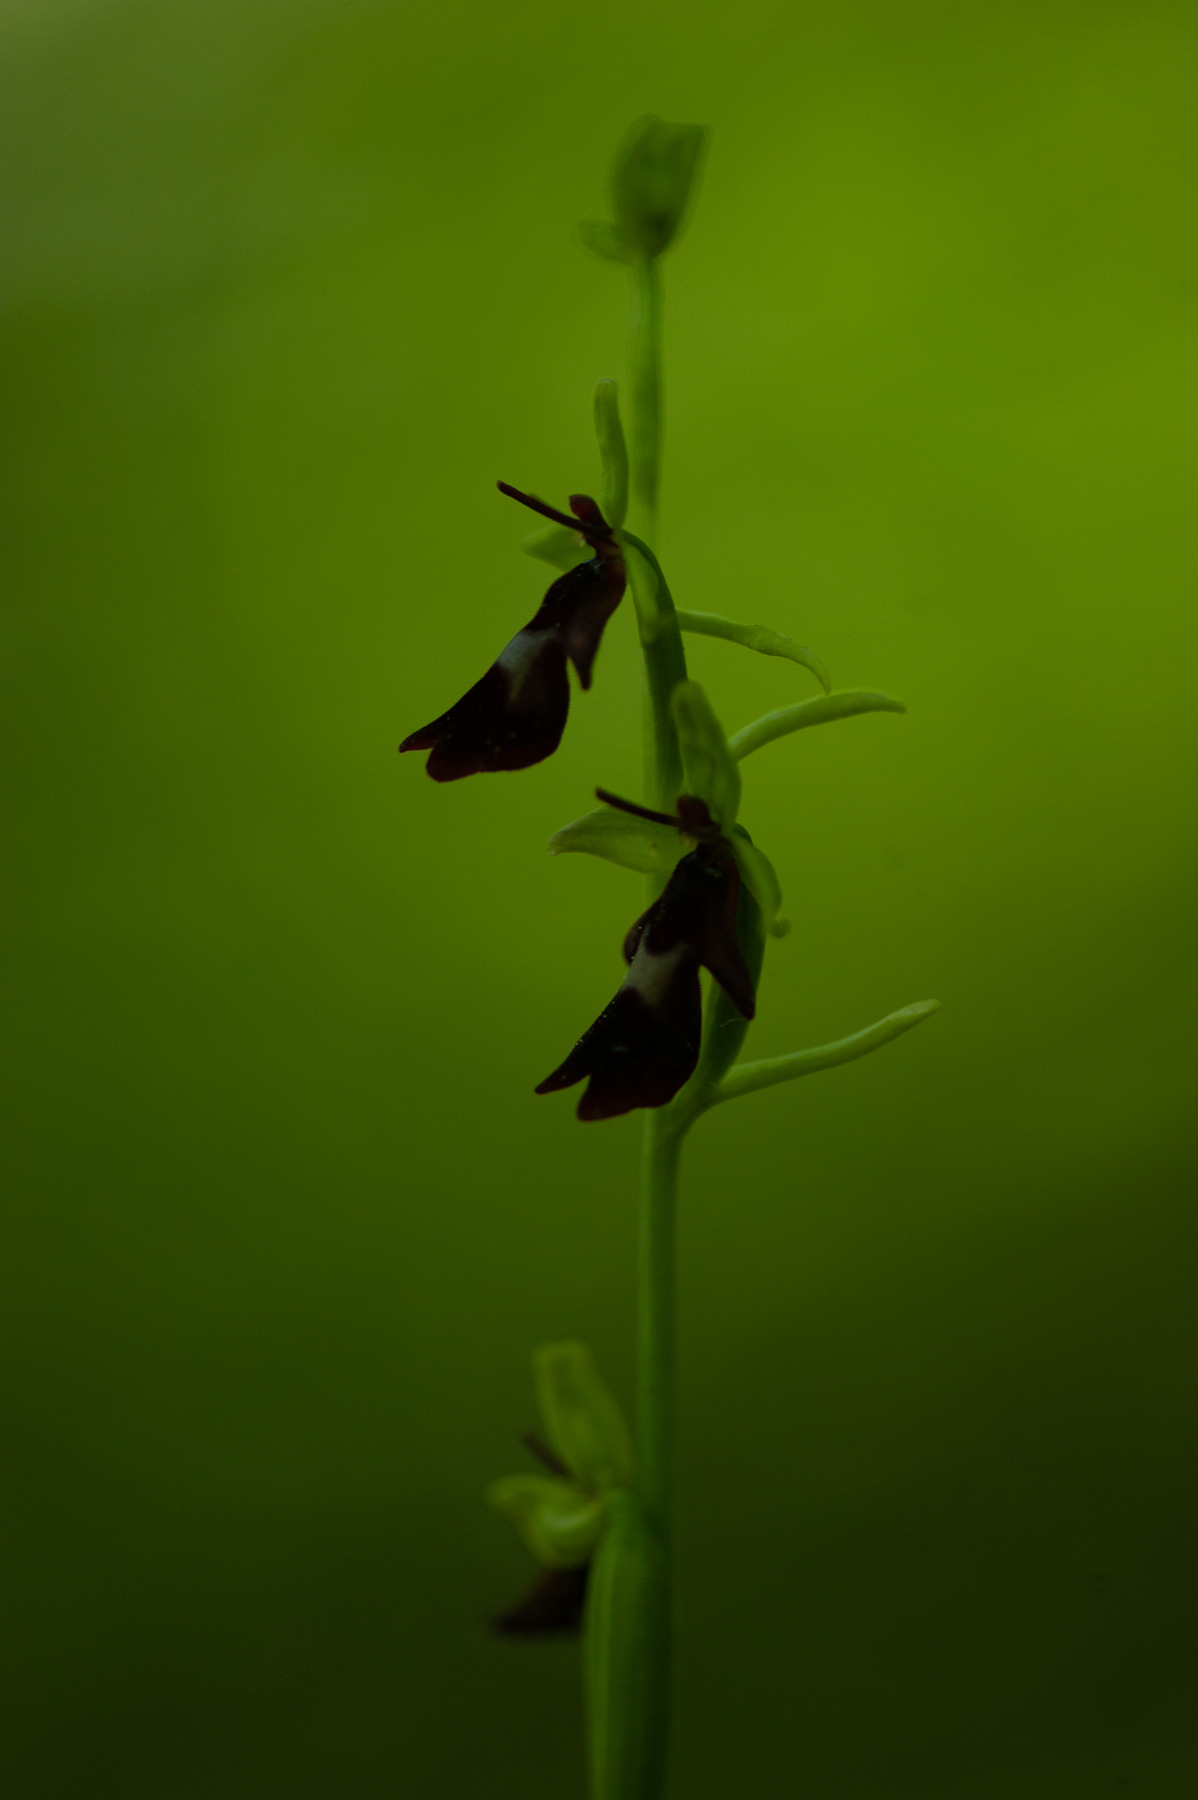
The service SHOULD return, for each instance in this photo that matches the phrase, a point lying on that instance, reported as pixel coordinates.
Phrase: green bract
(652, 180)
(560, 1524)
(711, 772)
(846, 704)
(754, 637)
(583, 1422)
(633, 843)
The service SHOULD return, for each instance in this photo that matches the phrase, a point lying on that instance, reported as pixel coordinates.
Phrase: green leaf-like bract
(845, 704)
(583, 1421)
(747, 1078)
(620, 838)
(755, 637)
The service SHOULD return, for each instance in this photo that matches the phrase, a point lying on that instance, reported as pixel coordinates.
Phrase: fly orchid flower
(552, 1605)
(562, 1516)
(644, 1045)
(516, 714)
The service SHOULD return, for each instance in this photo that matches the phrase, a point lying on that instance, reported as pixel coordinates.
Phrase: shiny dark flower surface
(516, 714)
(644, 1045)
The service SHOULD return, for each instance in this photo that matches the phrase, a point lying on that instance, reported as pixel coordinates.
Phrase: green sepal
(627, 1657)
(560, 1524)
(710, 769)
(583, 1421)
(556, 544)
(760, 877)
(605, 239)
(620, 838)
(652, 180)
(755, 637)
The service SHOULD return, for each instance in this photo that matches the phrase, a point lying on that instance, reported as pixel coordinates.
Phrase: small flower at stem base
(514, 717)
(562, 1517)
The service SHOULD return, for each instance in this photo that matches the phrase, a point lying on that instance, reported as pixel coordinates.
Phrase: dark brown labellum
(552, 1607)
(644, 1046)
(514, 717)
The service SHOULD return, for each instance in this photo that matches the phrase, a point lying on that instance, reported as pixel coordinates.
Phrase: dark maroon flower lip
(552, 1607)
(644, 1046)
(515, 716)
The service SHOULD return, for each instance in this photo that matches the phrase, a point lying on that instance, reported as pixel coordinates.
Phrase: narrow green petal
(820, 711)
(555, 544)
(755, 637)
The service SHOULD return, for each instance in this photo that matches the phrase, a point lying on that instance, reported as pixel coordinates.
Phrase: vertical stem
(665, 667)
(656, 1318)
(629, 1632)
(645, 356)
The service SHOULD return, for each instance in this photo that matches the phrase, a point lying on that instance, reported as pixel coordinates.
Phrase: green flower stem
(746, 1078)
(656, 1373)
(613, 452)
(665, 667)
(645, 358)
(629, 1647)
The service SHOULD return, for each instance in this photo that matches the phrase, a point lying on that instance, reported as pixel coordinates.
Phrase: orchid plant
(597, 1518)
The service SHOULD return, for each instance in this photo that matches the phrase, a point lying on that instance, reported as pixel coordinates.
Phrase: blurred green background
(289, 284)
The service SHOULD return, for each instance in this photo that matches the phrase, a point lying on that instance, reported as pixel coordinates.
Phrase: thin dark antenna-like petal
(637, 811)
(538, 506)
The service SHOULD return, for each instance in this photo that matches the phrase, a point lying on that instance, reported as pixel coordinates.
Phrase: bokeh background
(289, 284)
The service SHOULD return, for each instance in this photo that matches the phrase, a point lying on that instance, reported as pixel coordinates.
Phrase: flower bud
(652, 180)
